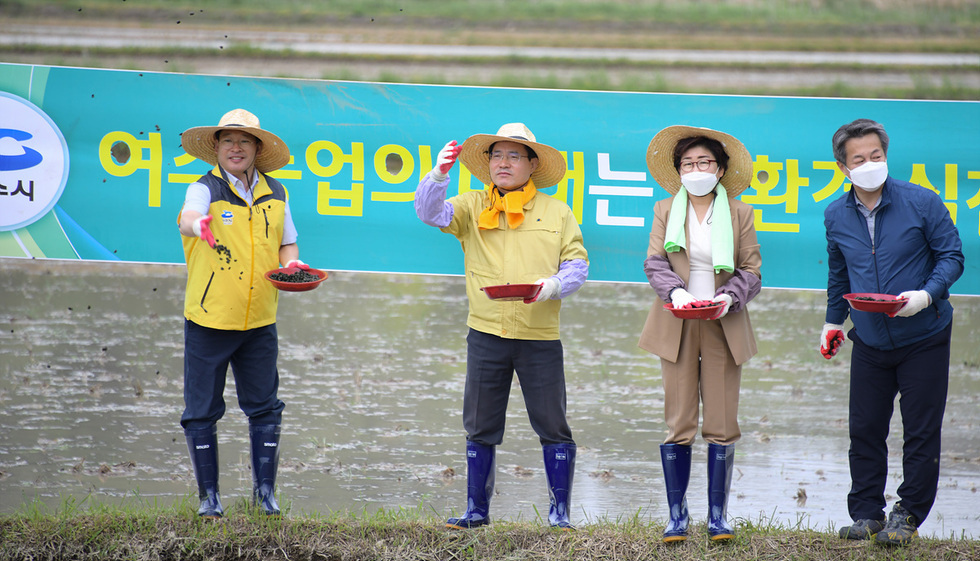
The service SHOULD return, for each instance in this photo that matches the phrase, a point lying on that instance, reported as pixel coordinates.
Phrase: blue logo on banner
(15, 156)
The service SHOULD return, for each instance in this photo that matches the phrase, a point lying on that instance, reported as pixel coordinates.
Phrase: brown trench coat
(661, 334)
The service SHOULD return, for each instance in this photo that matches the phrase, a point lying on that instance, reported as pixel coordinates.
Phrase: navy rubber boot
(676, 460)
(265, 465)
(559, 466)
(203, 447)
(480, 474)
(721, 462)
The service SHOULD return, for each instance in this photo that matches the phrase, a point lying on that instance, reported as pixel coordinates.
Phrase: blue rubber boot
(480, 474)
(265, 465)
(559, 466)
(203, 447)
(676, 460)
(721, 461)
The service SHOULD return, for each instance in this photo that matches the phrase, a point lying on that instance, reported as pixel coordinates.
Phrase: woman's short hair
(857, 129)
(709, 144)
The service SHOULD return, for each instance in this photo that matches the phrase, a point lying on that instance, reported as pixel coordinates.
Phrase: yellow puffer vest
(226, 288)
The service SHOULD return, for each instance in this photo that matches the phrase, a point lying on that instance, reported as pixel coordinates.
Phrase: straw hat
(660, 159)
(551, 165)
(199, 141)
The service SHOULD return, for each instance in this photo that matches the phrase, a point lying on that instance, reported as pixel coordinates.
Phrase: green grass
(581, 74)
(920, 26)
(916, 13)
(138, 529)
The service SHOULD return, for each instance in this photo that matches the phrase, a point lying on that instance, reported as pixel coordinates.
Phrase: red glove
(297, 264)
(202, 229)
(831, 340)
(445, 160)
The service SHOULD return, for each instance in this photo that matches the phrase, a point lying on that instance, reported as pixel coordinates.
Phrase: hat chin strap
(249, 177)
(505, 191)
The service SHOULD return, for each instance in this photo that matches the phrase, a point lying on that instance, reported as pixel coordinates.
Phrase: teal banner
(91, 165)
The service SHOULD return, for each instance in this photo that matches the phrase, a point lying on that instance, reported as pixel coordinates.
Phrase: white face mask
(699, 183)
(869, 176)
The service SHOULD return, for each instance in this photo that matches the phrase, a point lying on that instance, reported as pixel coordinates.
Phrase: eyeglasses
(512, 157)
(703, 165)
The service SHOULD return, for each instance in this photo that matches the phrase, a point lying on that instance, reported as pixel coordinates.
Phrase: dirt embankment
(621, 56)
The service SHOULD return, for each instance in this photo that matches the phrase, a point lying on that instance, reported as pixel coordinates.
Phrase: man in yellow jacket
(511, 234)
(236, 226)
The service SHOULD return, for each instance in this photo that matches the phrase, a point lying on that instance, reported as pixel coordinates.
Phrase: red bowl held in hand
(289, 279)
(509, 292)
(874, 302)
(701, 309)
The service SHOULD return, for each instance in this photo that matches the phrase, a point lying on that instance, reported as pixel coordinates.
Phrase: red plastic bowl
(708, 310)
(508, 292)
(295, 286)
(886, 303)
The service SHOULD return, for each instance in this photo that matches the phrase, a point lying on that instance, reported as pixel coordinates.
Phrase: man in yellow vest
(511, 234)
(236, 226)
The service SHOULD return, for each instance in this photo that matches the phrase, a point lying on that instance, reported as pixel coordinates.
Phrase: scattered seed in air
(223, 250)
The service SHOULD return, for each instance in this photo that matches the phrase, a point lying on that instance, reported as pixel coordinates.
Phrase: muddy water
(372, 372)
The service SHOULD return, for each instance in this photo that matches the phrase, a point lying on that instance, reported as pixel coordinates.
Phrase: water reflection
(372, 374)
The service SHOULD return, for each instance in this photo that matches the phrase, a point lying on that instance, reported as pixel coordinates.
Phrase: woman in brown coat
(702, 248)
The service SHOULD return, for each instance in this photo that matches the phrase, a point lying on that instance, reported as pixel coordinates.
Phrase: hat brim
(660, 158)
(474, 155)
(200, 143)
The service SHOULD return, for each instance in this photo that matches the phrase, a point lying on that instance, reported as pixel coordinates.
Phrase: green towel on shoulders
(722, 236)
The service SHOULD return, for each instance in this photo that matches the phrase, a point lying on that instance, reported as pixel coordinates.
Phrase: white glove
(680, 298)
(444, 161)
(918, 301)
(727, 300)
(296, 263)
(550, 289)
(831, 339)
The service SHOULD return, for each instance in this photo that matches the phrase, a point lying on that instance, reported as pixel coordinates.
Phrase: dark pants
(920, 373)
(252, 355)
(490, 365)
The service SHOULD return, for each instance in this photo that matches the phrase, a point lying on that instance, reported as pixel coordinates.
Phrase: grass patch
(919, 14)
(85, 530)
(512, 71)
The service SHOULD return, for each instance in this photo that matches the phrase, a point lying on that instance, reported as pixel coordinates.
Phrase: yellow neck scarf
(512, 204)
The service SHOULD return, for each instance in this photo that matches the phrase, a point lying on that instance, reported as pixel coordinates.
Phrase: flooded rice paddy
(372, 369)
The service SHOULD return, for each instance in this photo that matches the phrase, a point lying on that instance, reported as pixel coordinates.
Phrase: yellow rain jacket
(548, 236)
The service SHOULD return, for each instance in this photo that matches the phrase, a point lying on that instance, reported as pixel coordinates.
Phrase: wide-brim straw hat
(475, 155)
(660, 158)
(200, 141)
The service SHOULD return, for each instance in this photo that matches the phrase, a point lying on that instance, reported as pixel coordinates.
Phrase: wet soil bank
(372, 369)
